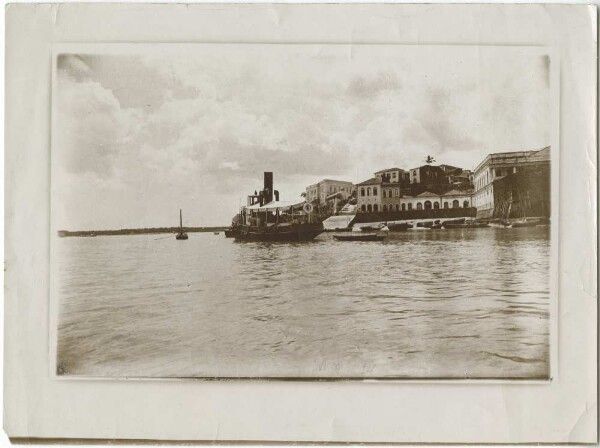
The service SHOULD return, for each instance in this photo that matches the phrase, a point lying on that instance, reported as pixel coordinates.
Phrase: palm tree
(429, 160)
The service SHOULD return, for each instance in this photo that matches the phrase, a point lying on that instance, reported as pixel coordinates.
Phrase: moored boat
(356, 236)
(266, 218)
(465, 225)
(229, 233)
(181, 235)
(374, 228)
(399, 227)
(530, 222)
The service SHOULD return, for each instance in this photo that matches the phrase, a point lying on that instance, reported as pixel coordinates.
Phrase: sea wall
(440, 213)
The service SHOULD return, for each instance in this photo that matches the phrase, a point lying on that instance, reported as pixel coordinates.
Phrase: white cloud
(194, 127)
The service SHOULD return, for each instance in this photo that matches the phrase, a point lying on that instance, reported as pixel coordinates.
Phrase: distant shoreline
(151, 230)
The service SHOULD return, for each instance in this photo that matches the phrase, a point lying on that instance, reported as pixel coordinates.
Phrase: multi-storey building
(428, 175)
(393, 175)
(320, 191)
(498, 165)
(428, 200)
(368, 195)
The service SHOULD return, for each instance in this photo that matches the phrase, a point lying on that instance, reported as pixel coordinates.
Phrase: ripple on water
(422, 304)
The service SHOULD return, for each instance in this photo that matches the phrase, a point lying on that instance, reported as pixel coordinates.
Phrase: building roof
(450, 168)
(426, 166)
(389, 169)
(456, 193)
(339, 181)
(428, 194)
(543, 155)
(531, 156)
(372, 181)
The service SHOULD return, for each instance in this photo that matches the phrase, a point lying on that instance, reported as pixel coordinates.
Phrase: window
(427, 205)
(389, 193)
(419, 206)
(404, 207)
(436, 205)
(384, 193)
(369, 208)
(397, 193)
(362, 192)
(375, 208)
(465, 204)
(446, 204)
(397, 207)
(368, 191)
(374, 191)
(455, 203)
(409, 205)
(385, 208)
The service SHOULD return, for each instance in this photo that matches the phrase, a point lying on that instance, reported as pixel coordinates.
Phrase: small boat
(215, 233)
(425, 224)
(359, 237)
(371, 228)
(436, 226)
(400, 227)
(530, 222)
(498, 222)
(465, 225)
(230, 233)
(181, 235)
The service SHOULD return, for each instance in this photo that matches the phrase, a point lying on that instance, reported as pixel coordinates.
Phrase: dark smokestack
(268, 186)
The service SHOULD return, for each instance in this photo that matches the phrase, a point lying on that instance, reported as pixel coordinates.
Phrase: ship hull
(297, 232)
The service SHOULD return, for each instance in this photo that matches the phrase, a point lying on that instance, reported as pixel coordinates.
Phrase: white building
(368, 195)
(320, 191)
(497, 165)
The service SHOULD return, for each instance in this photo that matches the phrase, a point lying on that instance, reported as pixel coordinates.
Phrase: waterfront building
(318, 193)
(500, 165)
(368, 195)
(429, 201)
(428, 175)
(393, 175)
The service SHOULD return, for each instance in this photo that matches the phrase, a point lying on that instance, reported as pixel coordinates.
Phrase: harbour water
(462, 303)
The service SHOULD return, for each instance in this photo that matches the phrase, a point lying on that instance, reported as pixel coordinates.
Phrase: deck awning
(275, 205)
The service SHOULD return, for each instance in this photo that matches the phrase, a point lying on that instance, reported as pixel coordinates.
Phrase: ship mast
(180, 220)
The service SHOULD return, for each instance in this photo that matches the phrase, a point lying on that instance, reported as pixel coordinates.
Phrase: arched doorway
(455, 203)
(466, 204)
(369, 208)
(446, 204)
(410, 205)
(363, 208)
(376, 208)
(427, 205)
(384, 208)
(403, 207)
(436, 205)
(419, 206)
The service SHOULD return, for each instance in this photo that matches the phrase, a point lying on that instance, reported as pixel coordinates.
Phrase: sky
(142, 131)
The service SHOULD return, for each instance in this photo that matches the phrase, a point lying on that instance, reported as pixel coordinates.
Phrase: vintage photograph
(303, 211)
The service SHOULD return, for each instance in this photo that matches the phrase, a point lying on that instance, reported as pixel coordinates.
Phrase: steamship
(266, 218)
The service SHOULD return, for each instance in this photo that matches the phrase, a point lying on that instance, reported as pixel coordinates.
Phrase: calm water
(448, 303)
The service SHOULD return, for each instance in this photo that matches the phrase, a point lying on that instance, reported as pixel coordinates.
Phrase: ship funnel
(268, 186)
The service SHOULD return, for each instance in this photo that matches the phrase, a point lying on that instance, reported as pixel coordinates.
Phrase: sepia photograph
(303, 211)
